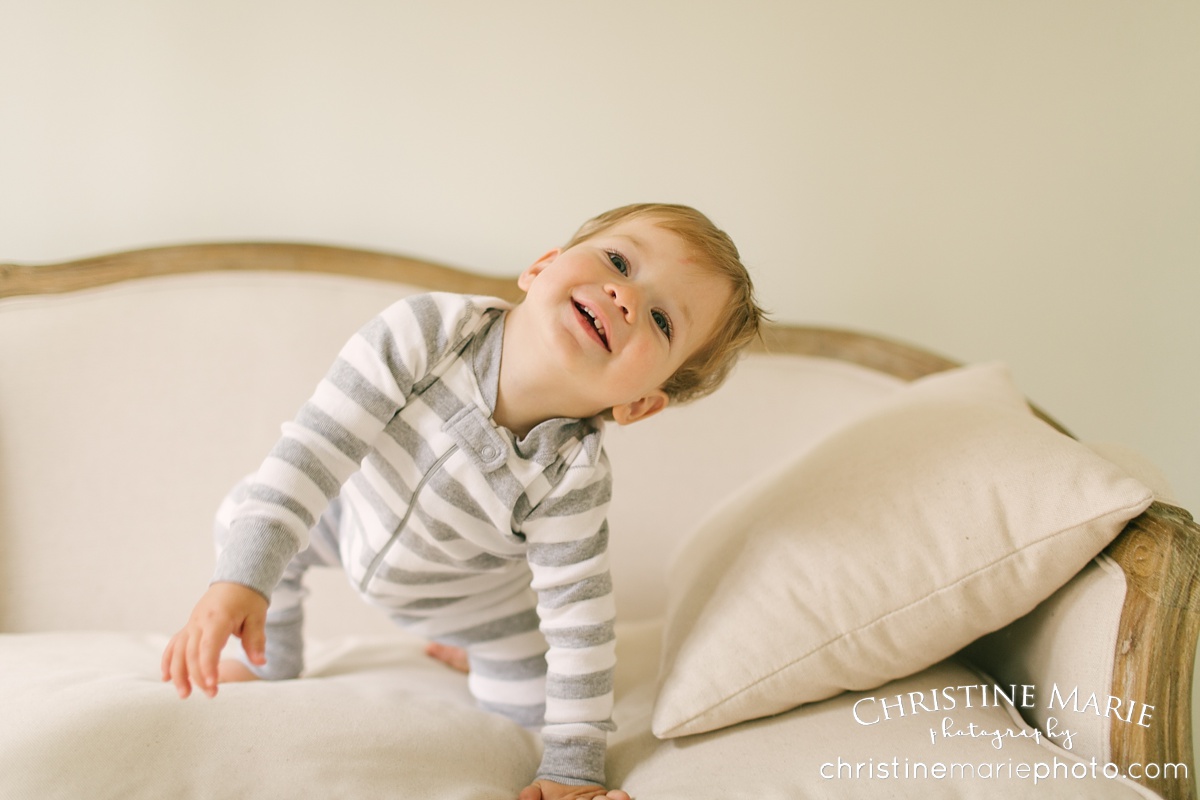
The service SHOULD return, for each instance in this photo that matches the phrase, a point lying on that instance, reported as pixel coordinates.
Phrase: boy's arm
(370, 381)
(567, 551)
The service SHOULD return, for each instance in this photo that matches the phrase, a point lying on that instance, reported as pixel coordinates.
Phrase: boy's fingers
(254, 640)
(209, 653)
(195, 671)
(179, 668)
(166, 659)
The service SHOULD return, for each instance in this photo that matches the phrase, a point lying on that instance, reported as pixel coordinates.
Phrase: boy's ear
(642, 408)
(526, 277)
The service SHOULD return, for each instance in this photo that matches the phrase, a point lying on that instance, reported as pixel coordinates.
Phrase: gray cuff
(255, 555)
(573, 760)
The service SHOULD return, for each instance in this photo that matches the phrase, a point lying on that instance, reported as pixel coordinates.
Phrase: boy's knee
(285, 647)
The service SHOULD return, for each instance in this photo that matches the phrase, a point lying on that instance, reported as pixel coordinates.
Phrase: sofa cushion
(86, 716)
(945, 513)
(846, 748)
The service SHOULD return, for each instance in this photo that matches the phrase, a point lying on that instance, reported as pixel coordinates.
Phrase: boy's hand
(192, 654)
(549, 790)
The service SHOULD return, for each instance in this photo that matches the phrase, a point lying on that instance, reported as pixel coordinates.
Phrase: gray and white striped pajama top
(464, 534)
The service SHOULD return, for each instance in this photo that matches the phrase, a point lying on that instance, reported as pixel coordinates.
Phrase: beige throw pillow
(944, 514)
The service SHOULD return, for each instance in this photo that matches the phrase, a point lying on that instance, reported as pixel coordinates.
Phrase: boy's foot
(453, 657)
(231, 671)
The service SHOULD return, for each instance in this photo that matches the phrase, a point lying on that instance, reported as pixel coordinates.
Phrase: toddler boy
(451, 462)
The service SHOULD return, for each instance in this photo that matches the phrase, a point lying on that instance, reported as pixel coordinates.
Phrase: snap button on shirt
(478, 438)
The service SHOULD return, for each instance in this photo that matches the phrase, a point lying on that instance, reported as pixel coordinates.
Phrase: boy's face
(619, 313)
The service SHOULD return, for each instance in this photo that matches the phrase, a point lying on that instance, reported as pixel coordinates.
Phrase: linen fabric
(944, 514)
(377, 718)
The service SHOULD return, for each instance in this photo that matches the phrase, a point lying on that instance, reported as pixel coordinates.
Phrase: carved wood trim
(866, 350)
(1159, 553)
(88, 273)
(873, 352)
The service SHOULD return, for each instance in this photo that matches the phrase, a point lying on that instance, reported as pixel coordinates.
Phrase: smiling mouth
(599, 326)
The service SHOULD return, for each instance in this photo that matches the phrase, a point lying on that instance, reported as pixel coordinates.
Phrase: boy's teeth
(595, 322)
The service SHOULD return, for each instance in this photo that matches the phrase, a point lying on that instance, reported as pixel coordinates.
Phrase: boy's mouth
(597, 325)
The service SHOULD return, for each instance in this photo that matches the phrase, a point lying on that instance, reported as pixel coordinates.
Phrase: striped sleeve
(567, 536)
(369, 382)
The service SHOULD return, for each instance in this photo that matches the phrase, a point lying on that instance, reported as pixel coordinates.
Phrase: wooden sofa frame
(1159, 551)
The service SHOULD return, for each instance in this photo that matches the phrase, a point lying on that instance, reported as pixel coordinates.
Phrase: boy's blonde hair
(706, 369)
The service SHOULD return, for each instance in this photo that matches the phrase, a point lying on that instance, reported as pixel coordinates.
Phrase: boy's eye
(619, 262)
(662, 321)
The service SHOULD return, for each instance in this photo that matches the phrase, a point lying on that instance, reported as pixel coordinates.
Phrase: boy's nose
(624, 298)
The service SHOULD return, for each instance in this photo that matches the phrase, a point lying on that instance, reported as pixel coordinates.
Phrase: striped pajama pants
(505, 648)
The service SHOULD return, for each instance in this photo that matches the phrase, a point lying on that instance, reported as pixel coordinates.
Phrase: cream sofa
(799, 561)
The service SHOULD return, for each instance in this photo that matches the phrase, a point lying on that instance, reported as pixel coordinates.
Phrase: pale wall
(1008, 180)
